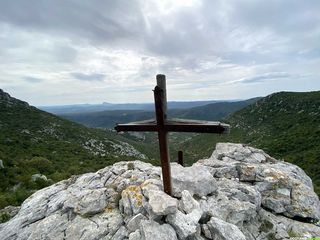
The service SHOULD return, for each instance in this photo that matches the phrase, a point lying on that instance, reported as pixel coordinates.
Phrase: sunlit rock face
(238, 193)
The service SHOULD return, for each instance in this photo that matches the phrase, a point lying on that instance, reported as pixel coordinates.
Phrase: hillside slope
(213, 111)
(285, 124)
(35, 142)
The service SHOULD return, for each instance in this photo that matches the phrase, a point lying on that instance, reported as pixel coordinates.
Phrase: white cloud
(63, 52)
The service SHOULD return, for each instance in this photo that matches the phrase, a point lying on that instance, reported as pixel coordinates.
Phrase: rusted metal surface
(162, 125)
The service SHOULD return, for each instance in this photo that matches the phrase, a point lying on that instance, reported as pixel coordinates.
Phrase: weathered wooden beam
(160, 108)
(162, 84)
(180, 158)
(196, 128)
(136, 128)
(176, 125)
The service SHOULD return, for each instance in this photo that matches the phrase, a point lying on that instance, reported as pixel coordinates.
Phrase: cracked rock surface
(238, 193)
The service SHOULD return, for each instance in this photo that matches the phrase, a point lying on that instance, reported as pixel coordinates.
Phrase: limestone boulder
(284, 188)
(134, 223)
(188, 203)
(152, 230)
(196, 179)
(221, 230)
(186, 225)
(161, 203)
(238, 193)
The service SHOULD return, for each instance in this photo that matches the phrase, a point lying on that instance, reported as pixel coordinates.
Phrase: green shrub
(43, 165)
(4, 217)
(130, 165)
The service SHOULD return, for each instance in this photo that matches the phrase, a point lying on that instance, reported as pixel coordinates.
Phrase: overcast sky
(55, 52)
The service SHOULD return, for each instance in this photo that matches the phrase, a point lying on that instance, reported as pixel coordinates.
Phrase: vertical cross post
(180, 158)
(160, 98)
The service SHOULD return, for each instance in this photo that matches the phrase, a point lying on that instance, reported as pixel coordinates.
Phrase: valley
(34, 143)
(285, 125)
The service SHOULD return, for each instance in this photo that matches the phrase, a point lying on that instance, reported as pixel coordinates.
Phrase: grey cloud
(34, 47)
(206, 28)
(310, 53)
(296, 21)
(265, 77)
(95, 20)
(285, 15)
(33, 79)
(65, 53)
(88, 77)
(221, 27)
(244, 58)
(192, 33)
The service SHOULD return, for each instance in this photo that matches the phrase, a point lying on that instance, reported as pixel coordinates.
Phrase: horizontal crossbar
(175, 125)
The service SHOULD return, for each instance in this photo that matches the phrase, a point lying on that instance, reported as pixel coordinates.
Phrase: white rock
(205, 230)
(151, 184)
(51, 227)
(135, 235)
(221, 230)
(121, 234)
(187, 202)
(230, 210)
(37, 176)
(151, 230)
(84, 228)
(87, 202)
(161, 203)
(196, 179)
(186, 225)
(134, 223)
(239, 152)
(284, 187)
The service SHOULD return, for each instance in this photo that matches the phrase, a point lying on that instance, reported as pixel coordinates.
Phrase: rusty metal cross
(162, 125)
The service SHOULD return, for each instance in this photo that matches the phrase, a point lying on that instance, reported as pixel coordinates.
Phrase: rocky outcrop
(285, 188)
(9, 101)
(238, 193)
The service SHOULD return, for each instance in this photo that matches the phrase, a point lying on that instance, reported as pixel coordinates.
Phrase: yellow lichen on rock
(134, 193)
(108, 209)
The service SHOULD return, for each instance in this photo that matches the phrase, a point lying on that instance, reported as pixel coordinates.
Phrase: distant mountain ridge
(88, 108)
(108, 119)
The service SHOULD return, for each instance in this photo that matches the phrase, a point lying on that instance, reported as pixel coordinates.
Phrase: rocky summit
(238, 193)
